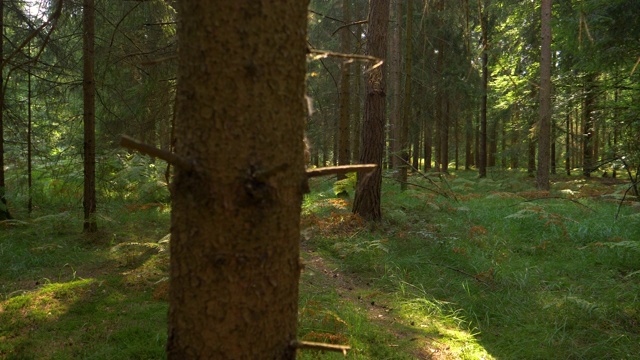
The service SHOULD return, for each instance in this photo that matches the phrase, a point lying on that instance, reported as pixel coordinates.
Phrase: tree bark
(544, 126)
(482, 151)
(4, 210)
(406, 108)
(367, 199)
(344, 155)
(589, 125)
(395, 95)
(235, 220)
(89, 96)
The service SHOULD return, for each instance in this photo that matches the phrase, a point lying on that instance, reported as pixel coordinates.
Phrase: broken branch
(171, 158)
(340, 170)
(298, 344)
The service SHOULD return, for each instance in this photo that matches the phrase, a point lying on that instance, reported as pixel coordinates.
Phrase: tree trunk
(344, 155)
(395, 96)
(589, 125)
(89, 95)
(367, 199)
(235, 220)
(544, 126)
(4, 210)
(482, 154)
(444, 134)
(406, 108)
(567, 156)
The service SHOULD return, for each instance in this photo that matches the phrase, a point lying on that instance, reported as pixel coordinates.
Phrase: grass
(470, 269)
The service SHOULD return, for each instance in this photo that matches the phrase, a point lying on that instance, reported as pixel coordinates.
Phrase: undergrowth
(459, 268)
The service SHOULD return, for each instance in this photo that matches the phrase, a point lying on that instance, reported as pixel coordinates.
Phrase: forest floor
(460, 268)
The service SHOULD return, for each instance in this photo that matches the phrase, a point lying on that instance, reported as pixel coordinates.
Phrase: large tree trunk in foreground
(235, 220)
(367, 199)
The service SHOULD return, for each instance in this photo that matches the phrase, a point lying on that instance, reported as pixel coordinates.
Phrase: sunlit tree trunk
(367, 199)
(89, 96)
(544, 125)
(236, 210)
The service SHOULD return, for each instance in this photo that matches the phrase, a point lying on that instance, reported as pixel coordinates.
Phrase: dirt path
(322, 273)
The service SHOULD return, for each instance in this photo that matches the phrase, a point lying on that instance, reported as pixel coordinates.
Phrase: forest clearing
(496, 270)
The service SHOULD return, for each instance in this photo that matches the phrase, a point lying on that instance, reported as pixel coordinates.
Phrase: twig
(298, 344)
(440, 190)
(340, 170)
(146, 149)
(351, 24)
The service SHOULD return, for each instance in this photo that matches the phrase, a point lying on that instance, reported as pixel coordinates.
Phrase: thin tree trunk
(589, 125)
(406, 111)
(4, 210)
(395, 79)
(567, 165)
(482, 155)
(544, 126)
(367, 199)
(89, 95)
(29, 136)
(344, 155)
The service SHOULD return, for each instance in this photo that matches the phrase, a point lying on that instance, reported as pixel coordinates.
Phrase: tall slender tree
(4, 210)
(89, 95)
(544, 126)
(237, 196)
(344, 132)
(406, 108)
(367, 199)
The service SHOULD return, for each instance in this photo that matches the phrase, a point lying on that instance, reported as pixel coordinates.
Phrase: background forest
(473, 256)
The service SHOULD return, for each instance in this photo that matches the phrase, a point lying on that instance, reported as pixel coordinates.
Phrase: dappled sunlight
(47, 303)
(444, 334)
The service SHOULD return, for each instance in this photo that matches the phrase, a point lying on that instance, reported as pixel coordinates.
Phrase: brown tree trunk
(544, 126)
(406, 108)
(344, 151)
(367, 199)
(89, 96)
(395, 78)
(444, 135)
(567, 155)
(482, 151)
(4, 210)
(589, 126)
(235, 220)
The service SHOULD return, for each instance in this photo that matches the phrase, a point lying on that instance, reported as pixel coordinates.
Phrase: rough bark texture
(235, 219)
(544, 127)
(89, 97)
(367, 199)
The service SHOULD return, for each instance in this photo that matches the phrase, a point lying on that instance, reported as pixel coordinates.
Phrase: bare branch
(171, 158)
(340, 170)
